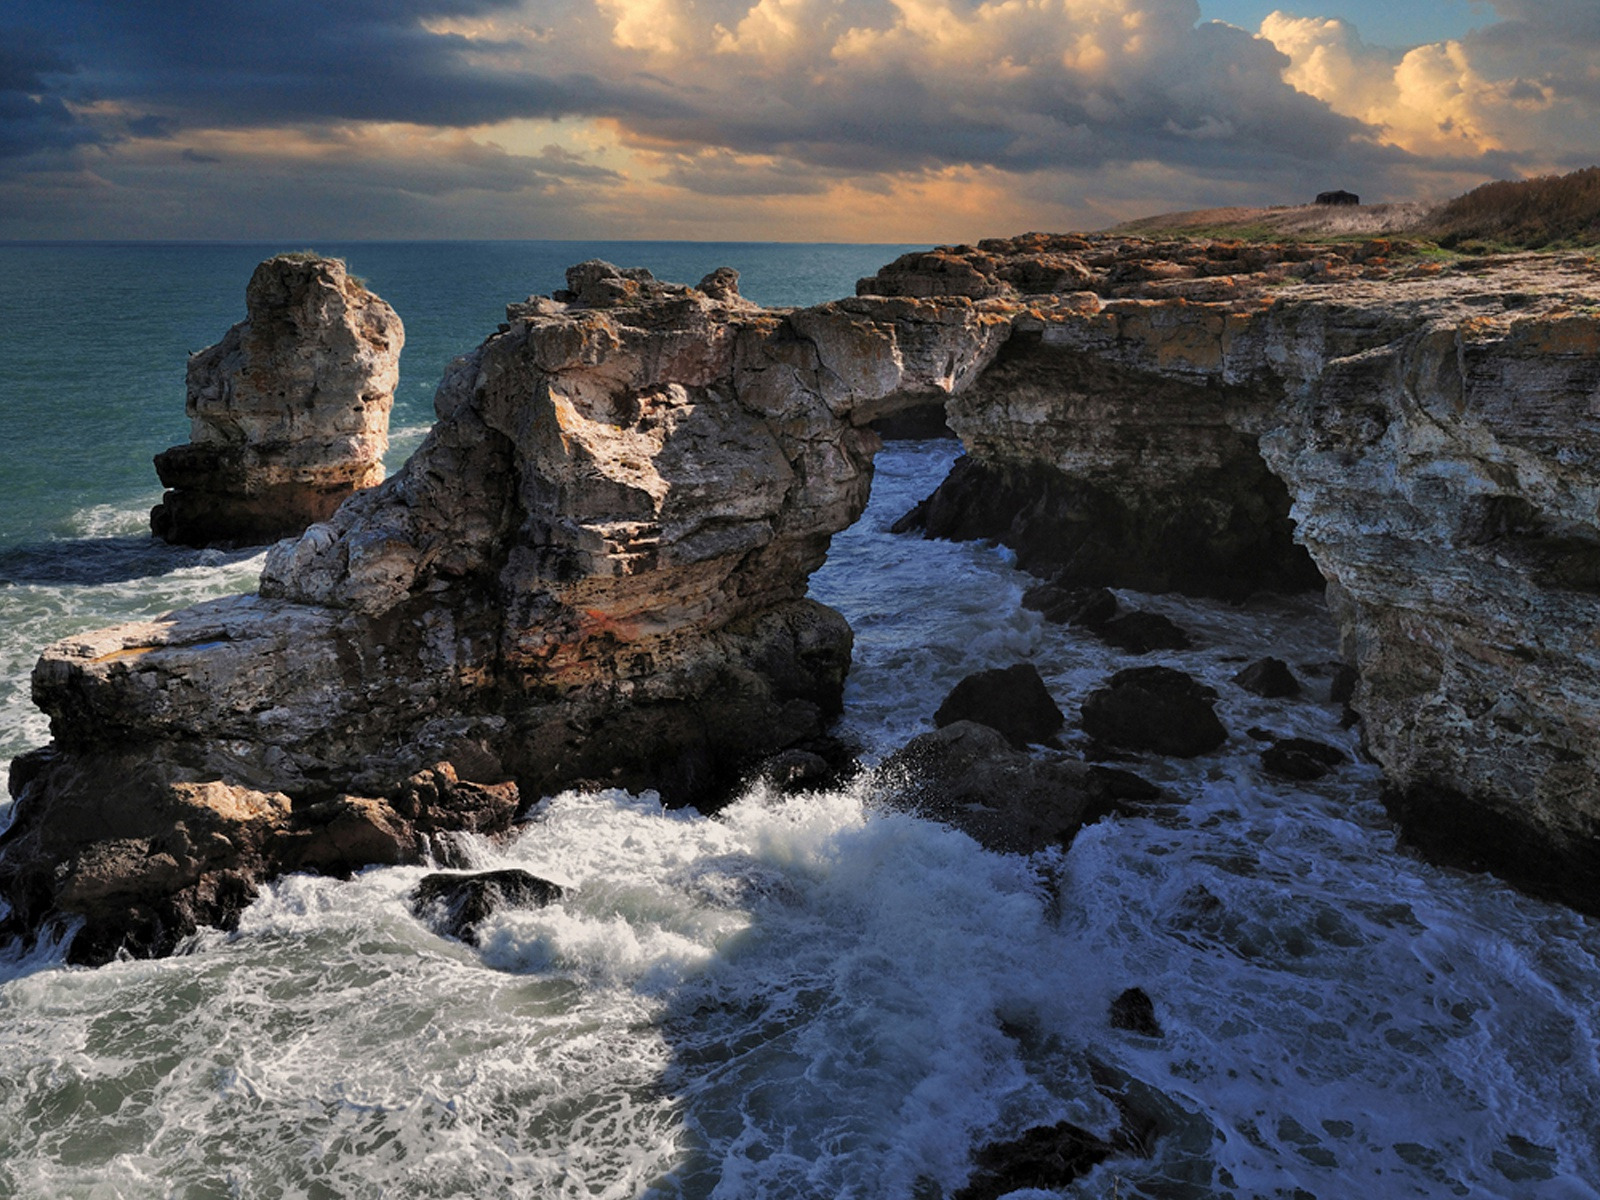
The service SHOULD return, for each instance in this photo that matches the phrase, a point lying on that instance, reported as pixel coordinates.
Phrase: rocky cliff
(289, 412)
(595, 567)
(1431, 428)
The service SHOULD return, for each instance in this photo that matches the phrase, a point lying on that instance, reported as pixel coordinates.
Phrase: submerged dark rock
(1088, 607)
(1158, 709)
(1013, 700)
(1047, 1156)
(1269, 678)
(968, 776)
(1300, 759)
(455, 905)
(1142, 632)
(1134, 1011)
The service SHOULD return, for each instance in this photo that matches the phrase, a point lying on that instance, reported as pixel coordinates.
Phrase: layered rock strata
(289, 412)
(1431, 429)
(593, 570)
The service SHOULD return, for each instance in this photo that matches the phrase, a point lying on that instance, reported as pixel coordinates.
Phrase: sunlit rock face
(1443, 448)
(289, 412)
(593, 570)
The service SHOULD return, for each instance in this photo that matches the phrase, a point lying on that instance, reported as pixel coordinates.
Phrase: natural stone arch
(597, 561)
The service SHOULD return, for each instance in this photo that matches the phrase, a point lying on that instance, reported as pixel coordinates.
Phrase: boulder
(1157, 709)
(968, 776)
(1134, 1011)
(1142, 632)
(289, 412)
(1044, 1157)
(454, 905)
(1091, 608)
(1300, 759)
(1269, 678)
(1013, 700)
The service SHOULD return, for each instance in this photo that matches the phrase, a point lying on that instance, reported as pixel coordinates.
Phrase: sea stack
(289, 411)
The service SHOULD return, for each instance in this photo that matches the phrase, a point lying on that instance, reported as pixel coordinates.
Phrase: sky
(765, 120)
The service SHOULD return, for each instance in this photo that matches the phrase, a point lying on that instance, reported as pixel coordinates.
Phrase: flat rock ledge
(289, 412)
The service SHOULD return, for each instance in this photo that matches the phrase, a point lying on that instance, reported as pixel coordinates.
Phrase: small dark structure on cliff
(1338, 197)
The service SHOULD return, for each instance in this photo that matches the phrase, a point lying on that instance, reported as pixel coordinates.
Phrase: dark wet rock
(797, 771)
(1300, 759)
(1343, 688)
(1125, 785)
(1013, 700)
(968, 776)
(455, 905)
(922, 422)
(1090, 607)
(1047, 1156)
(1142, 632)
(1270, 678)
(1158, 709)
(1134, 1011)
(1257, 734)
(139, 874)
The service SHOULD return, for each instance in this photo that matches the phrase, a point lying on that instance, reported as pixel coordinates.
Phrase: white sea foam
(816, 998)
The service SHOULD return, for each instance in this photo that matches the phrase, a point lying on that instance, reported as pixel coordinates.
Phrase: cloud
(33, 116)
(836, 117)
(274, 61)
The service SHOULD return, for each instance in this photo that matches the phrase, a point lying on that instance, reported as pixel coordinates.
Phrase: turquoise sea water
(802, 999)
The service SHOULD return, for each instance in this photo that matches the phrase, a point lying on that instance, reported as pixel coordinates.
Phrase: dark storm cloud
(283, 61)
(160, 128)
(33, 116)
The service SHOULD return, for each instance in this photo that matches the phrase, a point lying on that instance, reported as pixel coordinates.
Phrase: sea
(808, 998)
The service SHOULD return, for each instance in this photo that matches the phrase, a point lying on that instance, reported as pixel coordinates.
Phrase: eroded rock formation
(1435, 426)
(289, 412)
(595, 567)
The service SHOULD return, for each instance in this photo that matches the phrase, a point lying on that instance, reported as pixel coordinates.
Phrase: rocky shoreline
(594, 570)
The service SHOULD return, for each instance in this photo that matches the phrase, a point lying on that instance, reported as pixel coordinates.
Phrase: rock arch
(595, 566)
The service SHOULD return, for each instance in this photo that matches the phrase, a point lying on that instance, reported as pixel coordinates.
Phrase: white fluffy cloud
(1524, 89)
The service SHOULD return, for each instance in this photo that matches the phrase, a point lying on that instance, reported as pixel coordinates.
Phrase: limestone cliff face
(289, 412)
(1434, 429)
(594, 569)
(1443, 449)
